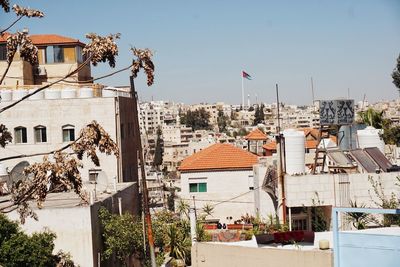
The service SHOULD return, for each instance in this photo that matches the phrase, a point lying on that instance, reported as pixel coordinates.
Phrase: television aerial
(98, 181)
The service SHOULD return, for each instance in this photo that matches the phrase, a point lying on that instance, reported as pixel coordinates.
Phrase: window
(68, 132)
(3, 52)
(54, 54)
(79, 55)
(197, 187)
(49, 55)
(20, 135)
(58, 54)
(40, 134)
(69, 54)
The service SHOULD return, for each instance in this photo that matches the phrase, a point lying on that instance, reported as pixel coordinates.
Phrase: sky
(201, 47)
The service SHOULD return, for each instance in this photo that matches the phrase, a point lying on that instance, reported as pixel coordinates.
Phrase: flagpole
(241, 74)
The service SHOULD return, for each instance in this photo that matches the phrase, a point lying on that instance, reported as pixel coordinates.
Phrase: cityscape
(97, 171)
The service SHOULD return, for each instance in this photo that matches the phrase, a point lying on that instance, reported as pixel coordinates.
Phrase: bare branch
(20, 12)
(46, 86)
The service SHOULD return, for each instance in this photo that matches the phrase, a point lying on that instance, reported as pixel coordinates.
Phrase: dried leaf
(27, 12)
(102, 49)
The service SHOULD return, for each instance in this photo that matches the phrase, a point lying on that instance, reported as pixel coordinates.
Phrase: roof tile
(256, 134)
(219, 157)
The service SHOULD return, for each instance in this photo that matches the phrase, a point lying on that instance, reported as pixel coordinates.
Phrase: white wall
(262, 201)
(53, 114)
(222, 186)
(72, 227)
(337, 189)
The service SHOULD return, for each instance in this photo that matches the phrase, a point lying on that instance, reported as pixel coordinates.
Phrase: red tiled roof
(47, 39)
(310, 144)
(270, 146)
(219, 157)
(257, 134)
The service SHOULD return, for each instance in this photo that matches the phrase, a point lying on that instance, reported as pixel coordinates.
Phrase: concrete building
(42, 125)
(58, 55)
(222, 176)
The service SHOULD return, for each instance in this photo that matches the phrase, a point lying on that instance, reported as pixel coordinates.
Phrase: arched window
(40, 134)
(20, 135)
(68, 132)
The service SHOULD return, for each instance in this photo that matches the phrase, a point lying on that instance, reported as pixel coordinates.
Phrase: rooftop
(219, 157)
(71, 199)
(47, 39)
(256, 134)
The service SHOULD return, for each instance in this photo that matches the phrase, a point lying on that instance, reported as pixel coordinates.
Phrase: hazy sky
(201, 47)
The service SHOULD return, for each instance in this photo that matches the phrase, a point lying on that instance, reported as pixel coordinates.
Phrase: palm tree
(372, 117)
(183, 208)
(179, 243)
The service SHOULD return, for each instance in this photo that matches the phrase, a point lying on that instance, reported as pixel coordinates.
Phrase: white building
(50, 120)
(221, 176)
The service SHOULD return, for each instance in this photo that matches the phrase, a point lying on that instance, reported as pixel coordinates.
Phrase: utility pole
(143, 175)
(281, 176)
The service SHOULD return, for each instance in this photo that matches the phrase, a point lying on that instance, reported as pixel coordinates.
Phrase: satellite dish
(17, 174)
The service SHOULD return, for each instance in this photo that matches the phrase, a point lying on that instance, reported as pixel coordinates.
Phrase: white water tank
(52, 94)
(371, 137)
(19, 93)
(6, 95)
(37, 96)
(109, 92)
(294, 151)
(85, 92)
(68, 93)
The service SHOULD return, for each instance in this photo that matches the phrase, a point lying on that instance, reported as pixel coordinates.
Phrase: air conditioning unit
(40, 71)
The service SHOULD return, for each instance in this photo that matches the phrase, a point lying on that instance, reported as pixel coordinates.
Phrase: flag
(246, 75)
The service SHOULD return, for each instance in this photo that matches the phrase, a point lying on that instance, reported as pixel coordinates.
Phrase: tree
(374, 118)
(198, 119)
(20, 249)
(158, 154)
(123, 235)
(259, 115)
(396, 74)
(222, 121)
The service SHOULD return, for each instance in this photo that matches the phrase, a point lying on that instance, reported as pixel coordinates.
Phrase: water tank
(37, 96)
(85, 92)
(294, 151)
(68, 93)
(6, 95)
(18, 94)
(108, 93)
(52, 94)
(370, 137)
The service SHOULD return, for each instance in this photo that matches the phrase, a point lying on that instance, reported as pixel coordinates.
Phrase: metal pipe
(280, 171)
(143, 176)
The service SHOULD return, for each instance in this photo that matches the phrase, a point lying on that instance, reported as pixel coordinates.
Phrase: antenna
(98, 181)
(312, 91)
